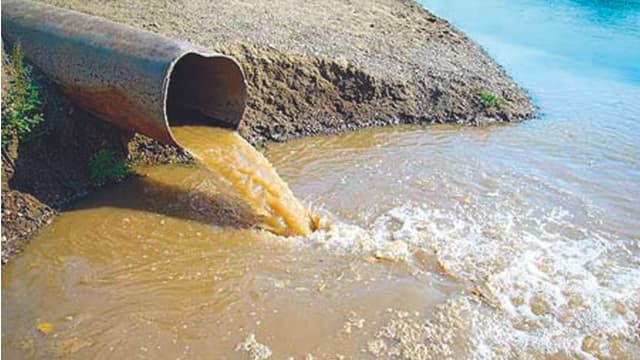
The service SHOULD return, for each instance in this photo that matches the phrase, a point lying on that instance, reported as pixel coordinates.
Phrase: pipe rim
(205, 55)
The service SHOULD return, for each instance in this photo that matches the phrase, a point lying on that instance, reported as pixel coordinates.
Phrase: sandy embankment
(313, 67)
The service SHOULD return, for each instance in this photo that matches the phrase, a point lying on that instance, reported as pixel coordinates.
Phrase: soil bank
(312, 68)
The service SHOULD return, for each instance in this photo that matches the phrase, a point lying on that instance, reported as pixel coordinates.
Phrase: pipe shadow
(203, 203)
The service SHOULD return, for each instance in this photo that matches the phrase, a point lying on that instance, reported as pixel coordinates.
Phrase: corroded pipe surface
(132, 78)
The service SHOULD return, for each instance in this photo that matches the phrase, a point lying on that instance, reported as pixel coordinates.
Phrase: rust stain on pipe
(132, 78)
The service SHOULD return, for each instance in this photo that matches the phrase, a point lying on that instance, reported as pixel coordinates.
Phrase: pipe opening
(205, 91)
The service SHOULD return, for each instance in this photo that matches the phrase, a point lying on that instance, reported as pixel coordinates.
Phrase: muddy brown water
(420, 255)
(138, 271)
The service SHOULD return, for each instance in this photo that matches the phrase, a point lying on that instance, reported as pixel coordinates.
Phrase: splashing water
(547, 271)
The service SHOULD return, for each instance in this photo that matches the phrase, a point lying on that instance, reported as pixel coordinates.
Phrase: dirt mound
(297, 95)
(312, 68)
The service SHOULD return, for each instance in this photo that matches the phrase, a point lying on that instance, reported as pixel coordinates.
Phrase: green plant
(105, 167)
(489, 99)
(22, 108)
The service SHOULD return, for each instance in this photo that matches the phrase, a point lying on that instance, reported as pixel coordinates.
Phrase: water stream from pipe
(250, 175)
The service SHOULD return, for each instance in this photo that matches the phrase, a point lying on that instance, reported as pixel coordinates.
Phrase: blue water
(598, 40)
(580, 62)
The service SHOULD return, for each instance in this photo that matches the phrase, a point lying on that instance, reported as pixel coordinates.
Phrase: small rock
(45, 328)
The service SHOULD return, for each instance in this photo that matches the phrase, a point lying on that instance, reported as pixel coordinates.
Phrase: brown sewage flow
(444, 245)
(250, 175)
(149, 269)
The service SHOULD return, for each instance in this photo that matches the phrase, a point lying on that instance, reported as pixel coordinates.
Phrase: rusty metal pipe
(132, 78)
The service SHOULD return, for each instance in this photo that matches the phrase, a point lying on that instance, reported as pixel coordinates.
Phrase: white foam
(548, 284)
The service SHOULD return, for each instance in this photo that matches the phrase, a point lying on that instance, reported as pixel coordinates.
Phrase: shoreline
(344, 67)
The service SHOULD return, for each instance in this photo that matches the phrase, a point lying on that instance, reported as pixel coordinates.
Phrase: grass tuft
(105, 167)
(22, 107)
(489, 99)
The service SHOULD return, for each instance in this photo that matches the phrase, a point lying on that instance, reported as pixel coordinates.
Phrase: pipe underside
(132, 78)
